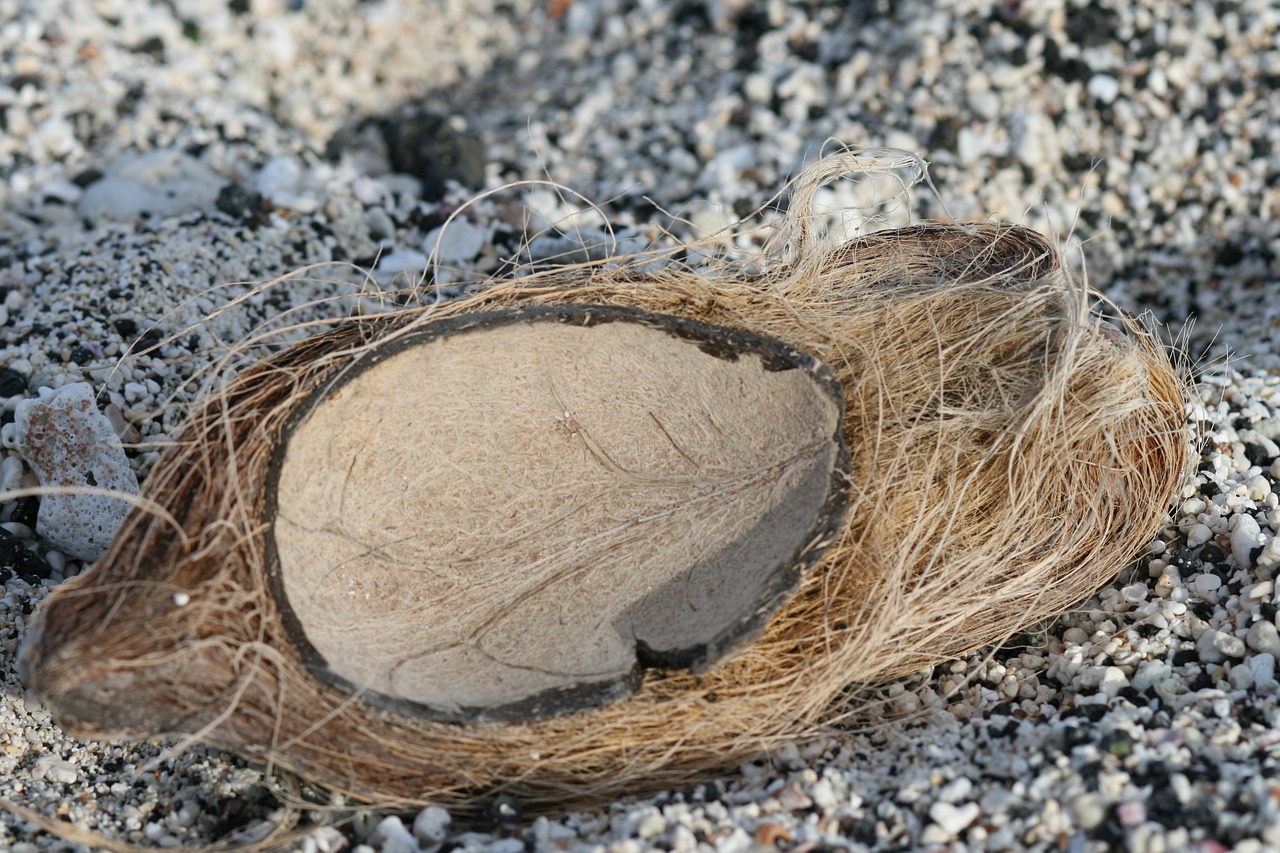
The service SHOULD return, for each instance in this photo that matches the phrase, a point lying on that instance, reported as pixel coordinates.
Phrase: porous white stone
(71, 445)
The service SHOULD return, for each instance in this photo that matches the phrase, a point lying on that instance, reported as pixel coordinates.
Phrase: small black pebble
(153, 47)
(1094, 713)
(504, 812)
(87, 177)
(1116, 743)
(1202, 681)
(1229, 254)
(12, 382)
(863, 830)
(424, 145)
(237, 200)
(18, 560)
(81, 354)
(1211, 553)
(25, 511)
(1073, 736)
(126, 327)
(1249, 713)
(1257, 454)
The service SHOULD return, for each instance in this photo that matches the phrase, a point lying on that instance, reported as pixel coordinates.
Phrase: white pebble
(431, 826)
(1150, 673)
(391, 837)
(162, 182)
(1244, 538)
(1113, 681)
(955, 791)
(651, 825)
(1090, 810)
(11, 471)
(1269, 557)
(952, 819)
(1264, 668)
(278, 176)
(1207, 648)
(1261, 590)
(824, 796)
(459, 240)
(1206, 583)
(1264, 637)
(1131, 813)
(55, 770)
(1241, 676)
(1258, 488)
(1228, 644)
(1134, 592)
(405, 260)
(1252, 436)
(56, 560)
(1104, 88)
(1198, 534)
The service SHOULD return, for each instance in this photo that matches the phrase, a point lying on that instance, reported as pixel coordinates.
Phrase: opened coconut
(600, 531)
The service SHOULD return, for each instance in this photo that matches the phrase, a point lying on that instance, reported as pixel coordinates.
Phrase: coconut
(606, 530)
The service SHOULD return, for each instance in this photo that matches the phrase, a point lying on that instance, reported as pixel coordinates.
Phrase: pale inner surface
(509, 510)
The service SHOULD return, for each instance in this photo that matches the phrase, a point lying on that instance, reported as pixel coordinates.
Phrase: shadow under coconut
(1008, 452)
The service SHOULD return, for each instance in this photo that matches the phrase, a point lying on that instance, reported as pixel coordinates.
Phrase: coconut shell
(1009, 452)
(510, 514)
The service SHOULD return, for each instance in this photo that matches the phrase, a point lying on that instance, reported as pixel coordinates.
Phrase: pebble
(1113, 681)
(1198, 534)
(68, 443)
(1104, 88)
(1244, 538)
(390, 836)
(403, 261)
(1090, 810)
(953, 819)
(1264, 637)
(1207, 584)
(457, 241)
(1264, 668)
(159, 183)
(431, 826)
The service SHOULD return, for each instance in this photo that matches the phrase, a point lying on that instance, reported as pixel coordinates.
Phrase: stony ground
(158, 158)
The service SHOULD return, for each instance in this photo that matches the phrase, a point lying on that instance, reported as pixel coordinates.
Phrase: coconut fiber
(609, 529)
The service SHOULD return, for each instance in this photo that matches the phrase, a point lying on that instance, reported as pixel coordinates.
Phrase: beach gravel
(158, 160)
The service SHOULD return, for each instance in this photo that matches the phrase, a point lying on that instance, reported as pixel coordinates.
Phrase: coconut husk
(1010, 451)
